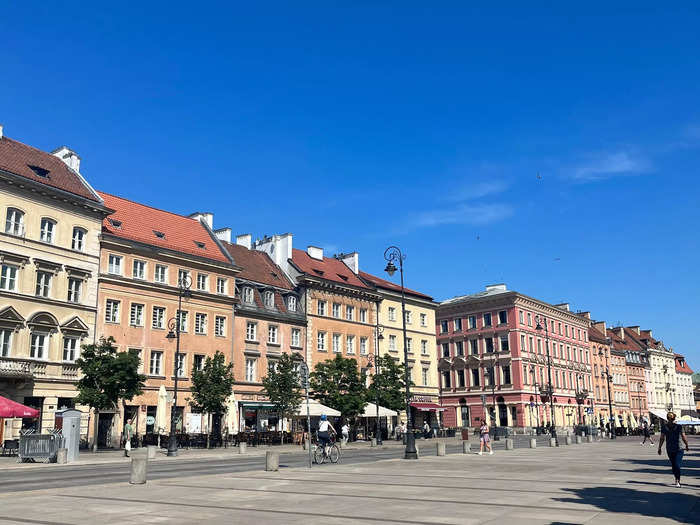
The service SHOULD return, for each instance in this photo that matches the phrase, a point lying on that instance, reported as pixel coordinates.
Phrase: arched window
(78, 239)
(292, 303)
(14, 222)
(48, 230)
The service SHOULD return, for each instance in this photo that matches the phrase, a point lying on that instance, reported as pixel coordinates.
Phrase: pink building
(493, 360)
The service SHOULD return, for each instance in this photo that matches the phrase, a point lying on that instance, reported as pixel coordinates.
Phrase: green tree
(107, 377)
(282, 385)
(211, 387)
(337, 383)
(390, 383)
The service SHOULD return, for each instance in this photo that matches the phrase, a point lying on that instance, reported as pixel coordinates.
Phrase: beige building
(49, 253)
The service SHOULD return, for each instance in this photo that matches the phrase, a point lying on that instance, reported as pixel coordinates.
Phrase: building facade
(602, 388)
(637, 364)
(49, 253)
(684, 402)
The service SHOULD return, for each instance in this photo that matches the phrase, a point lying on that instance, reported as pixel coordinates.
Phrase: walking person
(484, 439)
(673, 435)
(345, 431)
(647, 433)
(128, 434)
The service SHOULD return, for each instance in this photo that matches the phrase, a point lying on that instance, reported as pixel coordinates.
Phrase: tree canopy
(389, 383)
(212, 385)
(337, 383)
(283, 386)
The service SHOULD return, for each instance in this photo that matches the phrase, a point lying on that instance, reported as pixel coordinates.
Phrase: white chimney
(223, 234)
(635, 329)
(621, 332)
(279, 248)
(68, 156)
(496, 288)
(352, 261)
(600, 325)
(0, 131)
(563, 306)
(244, 240)
(206, 217)
(315, 252)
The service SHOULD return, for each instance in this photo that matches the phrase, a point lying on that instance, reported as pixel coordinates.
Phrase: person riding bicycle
(324, 431)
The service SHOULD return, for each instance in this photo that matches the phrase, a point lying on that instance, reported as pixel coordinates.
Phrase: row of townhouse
(79, 264)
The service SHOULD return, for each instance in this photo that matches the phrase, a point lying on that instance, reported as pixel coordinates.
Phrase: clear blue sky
(362, 126)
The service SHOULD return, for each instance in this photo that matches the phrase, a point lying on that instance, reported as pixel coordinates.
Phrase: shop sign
(150, 420)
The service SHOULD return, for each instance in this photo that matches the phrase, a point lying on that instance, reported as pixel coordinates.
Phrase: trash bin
(70, 428)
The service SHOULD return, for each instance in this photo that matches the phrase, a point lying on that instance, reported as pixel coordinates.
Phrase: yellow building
(49, 255)
(420, 342)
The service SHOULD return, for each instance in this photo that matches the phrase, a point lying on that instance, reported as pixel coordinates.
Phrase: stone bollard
(509, 444)
(152, 449)
(139, 466)
(242, 448)
(466, 447)
(272, 461)
(373, 443)
(533, 443)
(440, 448)
(62, 456)
(567, 440)
(552, 442)
(579, 440)
(589, 439)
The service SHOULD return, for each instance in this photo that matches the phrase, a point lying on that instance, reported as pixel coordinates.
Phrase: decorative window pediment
(459, 363)
(75, 325)
(43, 321)
(48, 266)
(78, 273)
(472, 361)
(444, 364)
(13, 258)
(11, 318)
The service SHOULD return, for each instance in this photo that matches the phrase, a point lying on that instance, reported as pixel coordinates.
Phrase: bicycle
(330, 452)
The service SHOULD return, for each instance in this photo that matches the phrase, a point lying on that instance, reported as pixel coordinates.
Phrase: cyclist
(324, 430)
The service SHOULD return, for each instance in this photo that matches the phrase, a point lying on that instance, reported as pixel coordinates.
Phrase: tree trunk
(95, 431)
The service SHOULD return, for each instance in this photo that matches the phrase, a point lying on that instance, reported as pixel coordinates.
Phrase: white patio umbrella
(162, 410)
(231, 418)
(371, 411)
(316, 409)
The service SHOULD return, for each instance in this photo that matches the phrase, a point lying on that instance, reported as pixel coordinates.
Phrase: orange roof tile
(329, 268)
(257, 266)
(383, 283)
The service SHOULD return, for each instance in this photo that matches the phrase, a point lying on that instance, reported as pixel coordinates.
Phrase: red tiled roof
(682, 365)
(382, 283)
(257, 266)
(329, 268)
(628, 343)
(139, 222)
(596, 335)
(32, 163)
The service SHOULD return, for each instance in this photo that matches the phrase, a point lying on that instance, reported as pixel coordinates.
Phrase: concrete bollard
(509, 444)
(242, 448)
(373, 443)
(466, 447)
(139, 466)
(567, 440)
(440, 448)
(579, 440)
(272, 461)
(152, 449)
(589, 439)
(533, 443)
(552, 442)
(62, 456)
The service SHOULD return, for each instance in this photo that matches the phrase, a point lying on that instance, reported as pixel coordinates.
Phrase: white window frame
(248, 296)
(321, 341)
(363, 315)
(251, 331)
(203, 282)
(273, 334)
(158, 317)
(160, 274)
(6, 342)
(424, 347)
(321, 307)
(136, 314)
(350, 344)
(38, 351)
(391, 312)
(184, 320)
(337, 343)
(75, 290)
(363, 346)
(181, 367)
(43, 283)
(114, 264)
(220, 326)
(335, 310)
(112, 311)
(78, 239)
(269, 299)
(14, 222)
(409, 316)
(138, 269)
(155, 358)
(71, 349)
(221, 285)
(200, 323)
(423, 320)
(47, 232)
(292, 303)
(8, 277)
(392, 343)
(251, 365)
(183, 277)
(296, 337)
(349, 313)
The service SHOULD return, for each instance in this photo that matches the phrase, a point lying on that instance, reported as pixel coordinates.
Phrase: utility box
(70, 427)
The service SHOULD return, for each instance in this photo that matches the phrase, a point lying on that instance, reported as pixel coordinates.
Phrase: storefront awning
(427, 407)
(659, 413)
(257, 404)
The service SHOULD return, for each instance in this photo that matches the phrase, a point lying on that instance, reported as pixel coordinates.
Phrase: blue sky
(551, 149)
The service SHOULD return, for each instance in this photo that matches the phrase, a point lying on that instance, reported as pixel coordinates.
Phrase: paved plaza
(606, 482)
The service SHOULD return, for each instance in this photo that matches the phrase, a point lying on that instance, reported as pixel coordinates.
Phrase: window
(5, 342)
(529, 319)
(183, 278)
(139, 269)
(47, 230)
(350, 344)
(183, 320)
(14, 222)
(460, 379)
(137, 353)
(336, 343)
(459, 347)
(363, 345)
(489, 376)
(250, 366)
(247, 295)
(424, 347)
(409, 344)
(505, 344)
(559, 328)
(221, 285)
(487, 319)
(474, 344)
(156, 364)
(136, 315)
(74, 289)
(296, 337)
(321, 307)
(181, 368)
(350, 313)
(475, 377)
(321, 341)
(8, 278)
(472, 322)
(392, 343)
(503, 317)
(112, 311)
(43, 284)
(446, 380)
(532, 344)
(161, 274)
(443, 327)
(70, 348)
(292, 303)
(520, 316)
(158, 317)
(251, 332)
(198, 362)
(445, 349)
(202, 282)
(220, 326)
(423, 320)
(272, 332)
(38, 346)
(489, 344)
(200, 323)
(336, 310)
(506, 375)
(363, 315)
(458, 325)
(539, 346)
(115, 264)
(522, 343)
(409, 317)
(78, 240)
(566, 330)
(424, 376)
(392, 314)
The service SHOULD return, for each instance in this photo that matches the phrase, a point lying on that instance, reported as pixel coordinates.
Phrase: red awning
(9, 408)
(427, 407)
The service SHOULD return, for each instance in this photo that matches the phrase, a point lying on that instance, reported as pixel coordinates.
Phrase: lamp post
(606, 375)
(304, 377)
(174, 328)
(543, 320)
(378, 331)
(393, 255)
(640, 388)
(537, 406)
(581, 396)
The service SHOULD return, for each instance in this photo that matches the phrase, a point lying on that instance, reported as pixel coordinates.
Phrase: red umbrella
(9, 408)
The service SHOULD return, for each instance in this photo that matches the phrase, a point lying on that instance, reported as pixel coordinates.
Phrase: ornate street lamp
(174, 327)
(537, 405)
(581, 396)
(606, 375)
(550, 391)
(394, 256)
(378, 331)
(304, 379)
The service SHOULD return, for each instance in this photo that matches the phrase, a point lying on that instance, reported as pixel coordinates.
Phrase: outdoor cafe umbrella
(9, 409)
(231, 417)
(162, 410)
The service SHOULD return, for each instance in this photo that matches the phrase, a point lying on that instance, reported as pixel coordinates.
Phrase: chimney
(621, 332)
(586, 315)
(496, 288)
(352, 261)
(244, 240)
(69, 157)
(563, 306)
(600, 325)
(279, 248)
(634, 329)
(206, 217)
(648, 333)
(1, 130)
(315, 252)
(223, 234)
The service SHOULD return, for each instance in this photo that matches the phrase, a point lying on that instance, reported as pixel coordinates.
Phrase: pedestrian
(673, 434)
(345, 431)
(484, 439)
(426, 430)
(128, 434)
(646, 433)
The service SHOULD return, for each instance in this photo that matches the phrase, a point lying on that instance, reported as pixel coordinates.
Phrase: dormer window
(115, 223)
(343, 277)
(292, 303)
(269, 299)
(158, 234)
(247, 295)
(200, 245)
(41, 172)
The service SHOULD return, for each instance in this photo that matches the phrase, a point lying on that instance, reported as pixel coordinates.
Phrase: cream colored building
(49, 254)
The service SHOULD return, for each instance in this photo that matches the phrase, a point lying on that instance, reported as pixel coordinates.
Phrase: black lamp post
(581, 396)
(393, 255)
(606, 375)
(378, 337)
(550, 391)
(304, 378)
(537, 405)
(174, 326)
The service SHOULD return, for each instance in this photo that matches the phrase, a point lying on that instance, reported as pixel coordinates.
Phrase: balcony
(21, 368)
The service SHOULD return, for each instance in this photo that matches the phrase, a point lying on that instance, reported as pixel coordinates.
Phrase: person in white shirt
(345, 431)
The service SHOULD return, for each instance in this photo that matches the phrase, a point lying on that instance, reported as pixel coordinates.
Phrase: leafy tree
(211, 386)
(390, 382)
(282, 385)
(337, 383)
(108, 376)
